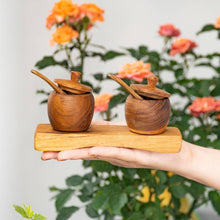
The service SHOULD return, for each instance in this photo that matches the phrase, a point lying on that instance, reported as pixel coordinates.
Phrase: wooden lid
(149, 90)
(73, 85)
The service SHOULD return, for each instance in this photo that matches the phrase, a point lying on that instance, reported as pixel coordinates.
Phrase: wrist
(174, 162)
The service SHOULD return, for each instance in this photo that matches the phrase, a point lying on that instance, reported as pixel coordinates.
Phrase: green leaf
(178, 191)
(216, 144)
(143, 173)
(149, 210)
(131, 189)
(87, 189)
(133, 53)
(77, 68)
(44, 101)
(162, 176)
(179, 72)
(50, 61)
(169, 88)
(108, 216)
(111, 55)
(87, 83)
(116, 100)
(214, 197)
(84, 198)
(74, 180)
(101, 166)
(117, 201)
(88, 176)
(86, 21)
(39, 217)
(42, 92)
(97, 89)
(100, 201)
(206, 28)
(99, 76)
(29, 211)
(91, 212)
(86, 163)
(175, 179)
(86, 192)
(62, 198)
(54, 189)
(136, 216)
(196, 189)
(20, 210)
(143, 50)
(66, 212)
(128, 172)
(154, 56)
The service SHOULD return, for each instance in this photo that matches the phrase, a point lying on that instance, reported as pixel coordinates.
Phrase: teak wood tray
(47, 139)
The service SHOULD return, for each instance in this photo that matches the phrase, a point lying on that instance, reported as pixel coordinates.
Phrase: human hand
(124, 157)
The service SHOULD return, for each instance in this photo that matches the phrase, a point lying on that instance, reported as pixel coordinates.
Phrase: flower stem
(192, 208)
(69, 58)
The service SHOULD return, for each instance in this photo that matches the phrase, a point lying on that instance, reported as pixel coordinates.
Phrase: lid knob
(152, 81)
(75, 76)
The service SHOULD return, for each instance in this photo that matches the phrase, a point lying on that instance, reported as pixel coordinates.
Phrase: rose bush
(112, 192)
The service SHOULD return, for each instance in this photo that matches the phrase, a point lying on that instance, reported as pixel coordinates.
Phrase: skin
(193, 162)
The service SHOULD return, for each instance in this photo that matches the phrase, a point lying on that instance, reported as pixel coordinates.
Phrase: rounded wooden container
(70, 112)
(147, 116)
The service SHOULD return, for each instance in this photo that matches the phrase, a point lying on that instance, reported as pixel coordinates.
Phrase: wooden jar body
(148, 116)
(70, 112)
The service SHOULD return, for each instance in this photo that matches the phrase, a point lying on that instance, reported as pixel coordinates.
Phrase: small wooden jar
(150, 115)
(74, 110)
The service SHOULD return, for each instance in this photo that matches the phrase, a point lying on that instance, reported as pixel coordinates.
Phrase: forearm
(194, 162)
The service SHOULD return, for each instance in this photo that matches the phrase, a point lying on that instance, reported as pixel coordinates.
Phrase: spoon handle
(124, 85)
(54, 86)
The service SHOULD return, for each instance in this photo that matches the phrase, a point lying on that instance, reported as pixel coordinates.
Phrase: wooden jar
(72, 111)
(150, 115)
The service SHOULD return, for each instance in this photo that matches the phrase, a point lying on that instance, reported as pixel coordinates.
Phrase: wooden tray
(47, 139)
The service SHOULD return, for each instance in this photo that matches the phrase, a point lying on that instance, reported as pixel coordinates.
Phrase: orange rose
(202, 105)
(92, 11)
(64, 8)
(136, 71)
(218, 116)
(51, 20)
(182, 45)
(63, 35)
(102, 101)
(169, 30)
(217, 105)
(217, 24)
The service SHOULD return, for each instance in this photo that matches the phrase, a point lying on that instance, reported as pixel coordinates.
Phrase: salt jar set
(71, 105)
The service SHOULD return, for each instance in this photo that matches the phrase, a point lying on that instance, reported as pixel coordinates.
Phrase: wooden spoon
(124, 85)
(54, 86)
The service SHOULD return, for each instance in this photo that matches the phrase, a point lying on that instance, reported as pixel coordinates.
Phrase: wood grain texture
(70, 112)
(73, 85)
(47, 139)
(125, 86)
(54, 86)
(150, 89)
(147, 116)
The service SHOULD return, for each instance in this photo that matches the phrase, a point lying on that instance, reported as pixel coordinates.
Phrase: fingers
(76, 154)
(49, 155)
(123, 154)
(98, 153)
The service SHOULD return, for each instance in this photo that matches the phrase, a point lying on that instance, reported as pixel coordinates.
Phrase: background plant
(111, 192)
(28, 213)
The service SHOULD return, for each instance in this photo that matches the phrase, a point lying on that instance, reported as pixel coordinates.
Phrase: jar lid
(73, 85)
(149, 90)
